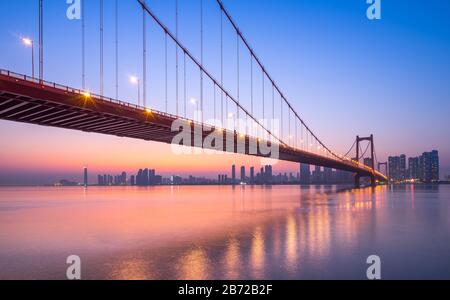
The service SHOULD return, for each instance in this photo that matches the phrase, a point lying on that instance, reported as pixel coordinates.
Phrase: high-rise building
(328, 175)
(152, 177)
(85, 177)
(394, 168)
(252, 175)
(145, 177)
(243, 174)
(139, 181)
(435, 165)
(123, 178)
(233, 174)
(305, 174)
(268, 174)
(100, 180)
(403, 167)
(413, 168)
(429, 164)
(317, 175)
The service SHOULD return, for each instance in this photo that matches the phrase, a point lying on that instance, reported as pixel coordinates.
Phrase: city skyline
(378, 56)
(423, 168)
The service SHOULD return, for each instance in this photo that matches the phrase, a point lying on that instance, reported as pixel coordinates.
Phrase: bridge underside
(56, 106)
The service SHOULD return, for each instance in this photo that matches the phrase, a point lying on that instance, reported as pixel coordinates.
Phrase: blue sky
(344, 74)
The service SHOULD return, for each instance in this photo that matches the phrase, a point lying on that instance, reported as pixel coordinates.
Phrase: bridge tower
(385, 164)
(372, 156)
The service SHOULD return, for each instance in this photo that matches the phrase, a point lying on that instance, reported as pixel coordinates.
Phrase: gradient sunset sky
(344, 74)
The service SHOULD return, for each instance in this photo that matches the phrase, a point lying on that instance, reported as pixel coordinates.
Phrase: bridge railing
(87, 92)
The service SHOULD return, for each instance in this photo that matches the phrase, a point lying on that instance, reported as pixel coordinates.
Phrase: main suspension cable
(201, 67)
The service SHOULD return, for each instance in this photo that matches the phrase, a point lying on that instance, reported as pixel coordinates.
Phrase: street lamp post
(30, 43)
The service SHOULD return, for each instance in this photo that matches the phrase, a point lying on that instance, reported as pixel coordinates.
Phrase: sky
(344, 74)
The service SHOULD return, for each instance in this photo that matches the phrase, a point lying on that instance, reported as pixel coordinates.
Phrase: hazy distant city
(421, 169)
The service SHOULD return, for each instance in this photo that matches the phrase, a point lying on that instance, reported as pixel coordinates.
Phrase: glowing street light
(135, 80)
(29, 42)
(195, 102)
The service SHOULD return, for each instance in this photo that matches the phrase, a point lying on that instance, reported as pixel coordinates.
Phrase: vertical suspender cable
(117, 46)
(165, 61)
(221, 65)
(184, 84)
(201, 59)
(251, 88)
(176, 55)
(273, 108)
(281, 117)
(238, 85)
(101, 48)
(83, 46)
(273, 102)
(302, 141)
(263, 96)
(289, 126)
(251, 83)
(41, 41)
(144, 58)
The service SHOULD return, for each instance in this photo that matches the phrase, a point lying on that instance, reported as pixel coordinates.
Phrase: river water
(224, 232)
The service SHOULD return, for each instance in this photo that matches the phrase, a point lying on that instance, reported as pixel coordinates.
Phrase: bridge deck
(25, 99)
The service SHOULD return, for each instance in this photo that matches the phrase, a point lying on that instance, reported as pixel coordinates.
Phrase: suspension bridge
(35, 100)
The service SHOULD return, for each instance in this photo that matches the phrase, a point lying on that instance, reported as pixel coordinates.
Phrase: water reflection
(279, 232)
(194, 265)
(232, 259)
(257, 256)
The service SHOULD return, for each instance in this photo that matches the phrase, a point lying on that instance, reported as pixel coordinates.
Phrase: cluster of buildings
(305, 176)
(424, 168)
(264, 176)
(148, 177)
(104, 180)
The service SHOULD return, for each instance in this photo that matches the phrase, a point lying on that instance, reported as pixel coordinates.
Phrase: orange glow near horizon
(60, 150)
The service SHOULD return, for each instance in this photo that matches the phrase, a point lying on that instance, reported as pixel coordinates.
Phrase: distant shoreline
(213, 184)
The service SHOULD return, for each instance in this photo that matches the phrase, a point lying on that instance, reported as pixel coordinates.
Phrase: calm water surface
(217, 232)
